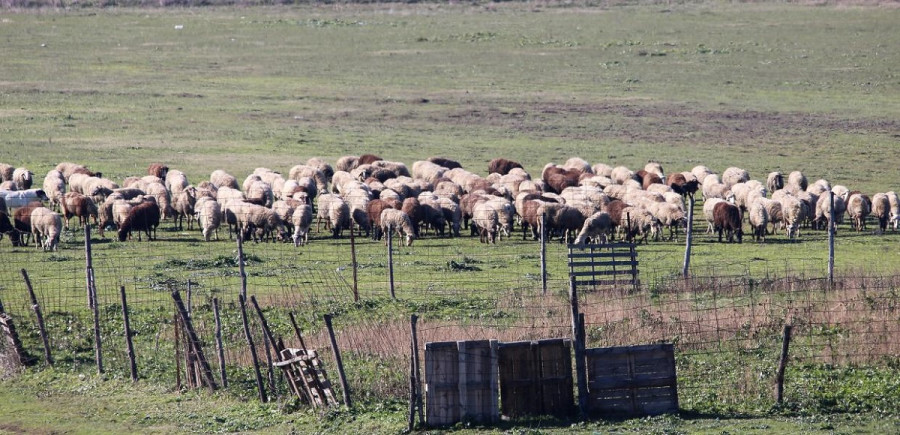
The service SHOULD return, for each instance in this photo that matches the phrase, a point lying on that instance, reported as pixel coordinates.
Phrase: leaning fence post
(130, 345)
(270, 344)
(690, 238)
(219, 348)
(390, 248)
(782, 364)
(194, 341)
(40, 318)
(543, 257)
(337, 357)
(259, 380)
(297, 331)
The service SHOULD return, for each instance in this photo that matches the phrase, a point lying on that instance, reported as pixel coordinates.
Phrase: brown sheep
(447, 163)
(143, 217)
(502, 166)
(158, 169)
(76, 204)
(373, 210)
(727, 218)
(367, 159)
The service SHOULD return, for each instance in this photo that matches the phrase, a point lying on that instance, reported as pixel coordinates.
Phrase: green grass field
(763, 86)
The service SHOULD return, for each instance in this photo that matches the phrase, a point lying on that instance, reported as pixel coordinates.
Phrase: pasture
(761, 86)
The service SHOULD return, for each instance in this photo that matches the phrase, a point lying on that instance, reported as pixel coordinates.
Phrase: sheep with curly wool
(894, 202)
(46, 225)
(485, 222)
(596, 229)
(23, 178)
(733, 175)
(183, 204)
(54, 187)
(759, 219)
(209, 216)
(727, 219)
(797, 180)
(708, 209)
(794, 212)
(262, 224)
(176, 181)
(859, 206)
(396, 221)
(881, 210)
(775, 181)
(220, 179)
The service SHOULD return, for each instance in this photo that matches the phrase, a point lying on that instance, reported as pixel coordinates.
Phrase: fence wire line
(712, 320)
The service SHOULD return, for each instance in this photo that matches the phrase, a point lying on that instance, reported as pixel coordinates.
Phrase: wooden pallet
(610, 264)
(306, 376)
(633, 380)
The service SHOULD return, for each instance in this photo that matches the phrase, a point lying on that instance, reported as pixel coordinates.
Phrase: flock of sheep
(576, 201)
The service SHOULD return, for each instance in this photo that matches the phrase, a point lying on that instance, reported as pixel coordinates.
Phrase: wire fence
(727, 326)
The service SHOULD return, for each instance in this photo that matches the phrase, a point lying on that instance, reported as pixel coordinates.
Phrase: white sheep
(734, 175)
(759, 218)
(797, 180)
(220, 179)
(301, 219)
(54, 187)
(794, 211)
(881, 209)
(700, 172)
(393, 220)
(620, 174)
(655, 168)
(774, 181)
(23, 178)
(597, 227)
(6, 172)
(485, 219)
(46, 224)
(176, 181)
(894, 202)
(262, 223)
(859, 207)
(602, 169)
(209, 216)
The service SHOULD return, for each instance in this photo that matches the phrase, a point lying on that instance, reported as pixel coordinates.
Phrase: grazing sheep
(894, 202)
(452, 214)
(143, 217)
(393, 220)
(505, 214)
(447, 163)
(368, 159)
(428, 171)
(669, 215)
(727, 219)
(596, 228)
(23, 178)
(301, 219)
(859, 207)
(175, 181)
(715, 190)
(620, 174)
(209, 216)
(262, 223)
(793, 210)
(797, 180)
(6, 227)
(163, 199)
(373, 210)
(69, 168)
(602, 169)
(700, 172)
(502, 166)
(416, 213)
(158, 170)
(22, 224)
(300, 171)
(46, 224)
(733, 175)
(759, 219)
(486, 222)
(347, 163)
(773, 211)
(54, 187)
(708, 209)
(638, 222)
(284, 208)
(183, 204)
(565, 219)
(76, 204)
(881, 209)
(339, 217)
(775, 181)
(680, 184)
(259, 192)
(322, 166)
(220, 179)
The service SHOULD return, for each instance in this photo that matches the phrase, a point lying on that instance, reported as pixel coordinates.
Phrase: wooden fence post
(8, 328)
(270, 342)
(354, 265)
(259, 380)
(831, 230)
(782, 364)
(128, 342)
(219, 348)
(543, 256)
(685, 269)
(40, 318)
(95, 309)
(297, 331)
(390, 248)
(337, 357)
(177, 337)
(194, 341)
(89, 266)
(240, 253)
(415, 390)
(577, 337)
